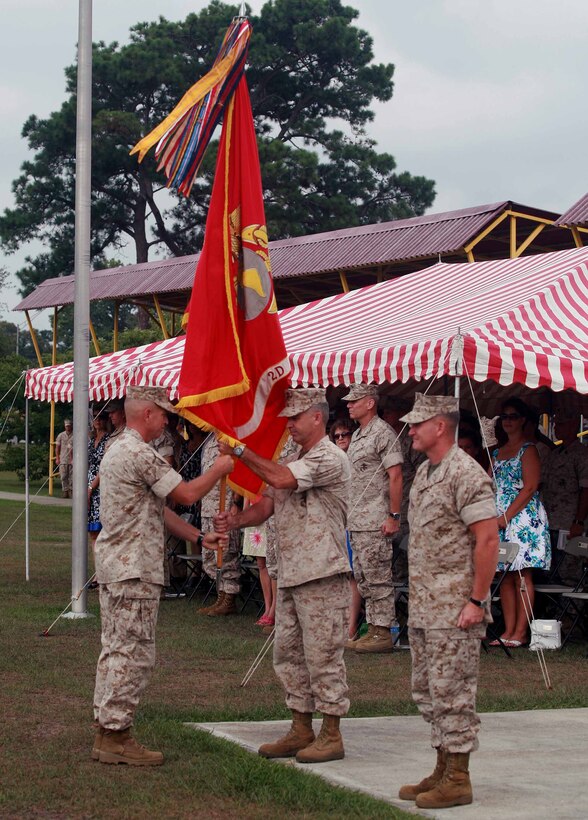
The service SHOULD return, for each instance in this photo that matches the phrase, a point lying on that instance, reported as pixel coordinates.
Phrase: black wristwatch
(475, 602)
(395, 516)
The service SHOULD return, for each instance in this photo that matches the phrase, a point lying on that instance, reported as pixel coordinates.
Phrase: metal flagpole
(27, 494)
(79, 526)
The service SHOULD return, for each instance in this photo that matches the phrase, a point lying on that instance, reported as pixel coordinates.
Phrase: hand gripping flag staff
(235, 368)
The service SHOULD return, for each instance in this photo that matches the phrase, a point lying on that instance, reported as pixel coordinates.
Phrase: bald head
(146, 417)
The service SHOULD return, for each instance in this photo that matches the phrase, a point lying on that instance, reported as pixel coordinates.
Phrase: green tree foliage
(12, 459)
(312, 80)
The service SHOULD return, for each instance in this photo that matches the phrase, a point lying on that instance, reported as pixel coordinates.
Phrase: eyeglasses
(510, 416)
(341, 435)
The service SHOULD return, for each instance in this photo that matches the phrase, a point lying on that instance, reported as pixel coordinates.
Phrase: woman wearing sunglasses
(521, 517)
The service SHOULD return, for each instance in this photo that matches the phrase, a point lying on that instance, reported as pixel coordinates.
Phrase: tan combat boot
(428, 783)
(206, 609)
(97, 740)
(352, 643)
(298, 737)
(121, 747)
(327, 746)
(226, 606)
(379, 641)
(454, 788)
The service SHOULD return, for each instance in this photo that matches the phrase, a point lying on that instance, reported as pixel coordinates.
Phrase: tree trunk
(141, 246)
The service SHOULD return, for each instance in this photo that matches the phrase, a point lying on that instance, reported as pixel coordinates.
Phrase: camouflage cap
(488, 428)
(158, 395)
(361, 391)
(297, 401)
(427, 407)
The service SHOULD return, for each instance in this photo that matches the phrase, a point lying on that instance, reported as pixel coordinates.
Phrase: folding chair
(507, 552)
(558, 595)
(574, 601)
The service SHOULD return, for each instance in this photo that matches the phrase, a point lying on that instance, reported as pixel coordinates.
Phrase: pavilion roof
(380, 245)
(576, 216)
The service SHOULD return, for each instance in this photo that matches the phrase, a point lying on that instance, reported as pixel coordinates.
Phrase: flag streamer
(183, 136)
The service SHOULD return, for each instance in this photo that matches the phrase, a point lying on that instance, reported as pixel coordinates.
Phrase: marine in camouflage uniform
(392, 409)
(64, 458)
(564, 492)
(376, 458)
(271, 551)
(164, 445)
(452, 557)
(230, 577)
(135, 481)
(308, 494)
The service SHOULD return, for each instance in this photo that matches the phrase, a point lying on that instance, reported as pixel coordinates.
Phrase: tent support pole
(79, 526)
(27, 494)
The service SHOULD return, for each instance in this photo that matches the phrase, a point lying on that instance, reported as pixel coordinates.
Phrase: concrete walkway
(37, 499)
(530, 764)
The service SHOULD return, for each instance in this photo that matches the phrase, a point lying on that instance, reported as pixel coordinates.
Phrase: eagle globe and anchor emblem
(255, 294)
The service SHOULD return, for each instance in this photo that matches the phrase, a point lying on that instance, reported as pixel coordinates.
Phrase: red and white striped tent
(513, 321)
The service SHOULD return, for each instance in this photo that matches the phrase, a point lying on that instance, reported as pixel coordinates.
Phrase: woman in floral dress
(521, 517)
(96, 447)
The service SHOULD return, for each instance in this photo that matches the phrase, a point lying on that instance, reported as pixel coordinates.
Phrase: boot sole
(447, 804)
(269, 756)
(337, 756)
(112, 759)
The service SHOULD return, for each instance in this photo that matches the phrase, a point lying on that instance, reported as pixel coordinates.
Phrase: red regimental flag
(235, 368)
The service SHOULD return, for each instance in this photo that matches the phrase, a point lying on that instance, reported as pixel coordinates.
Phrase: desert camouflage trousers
(231, 574)
(128, 610)
(444, 684)
(372, 568)
(66, 476)
(312, 622)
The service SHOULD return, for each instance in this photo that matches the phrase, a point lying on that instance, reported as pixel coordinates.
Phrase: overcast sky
(488, 101)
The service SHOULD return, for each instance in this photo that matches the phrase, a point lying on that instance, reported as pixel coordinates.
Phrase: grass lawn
(47, 694)
(11, 483)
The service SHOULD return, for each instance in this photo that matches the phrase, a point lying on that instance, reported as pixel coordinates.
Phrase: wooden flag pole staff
(219, 552)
